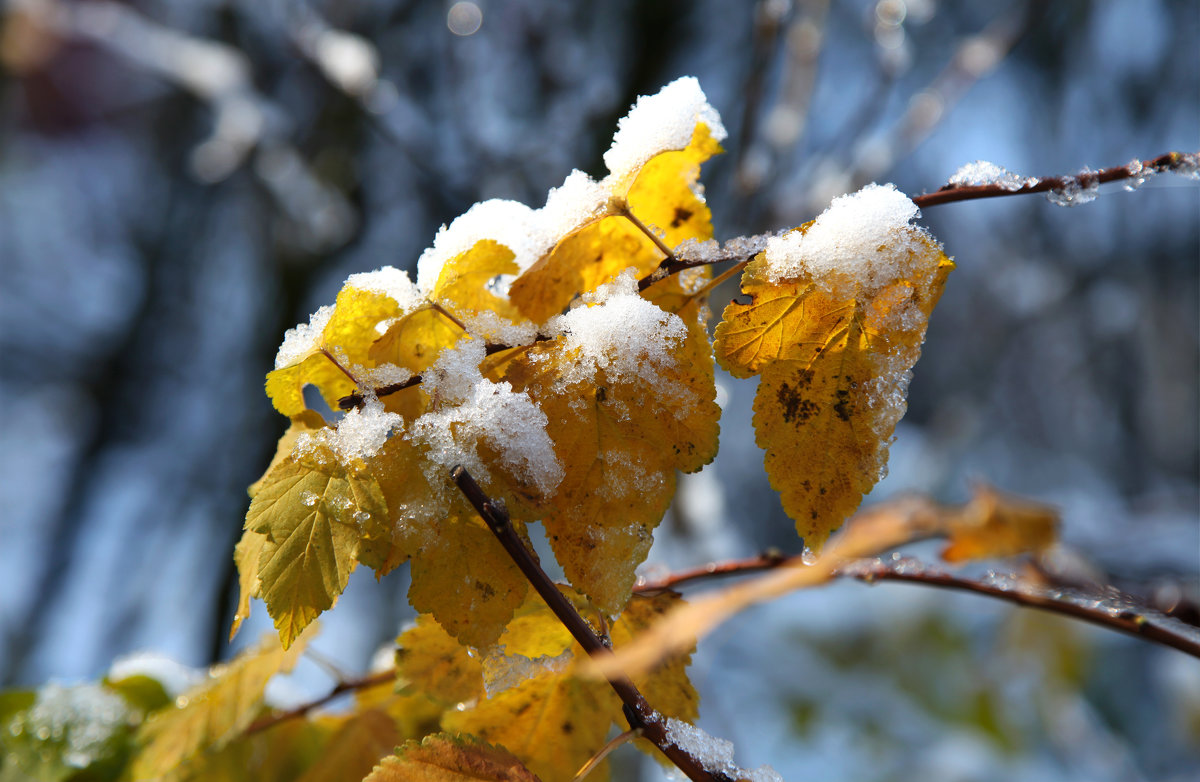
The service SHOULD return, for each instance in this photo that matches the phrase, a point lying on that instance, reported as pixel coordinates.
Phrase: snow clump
(981, 173)
(469, 409)
(658, 123)
(863, 241)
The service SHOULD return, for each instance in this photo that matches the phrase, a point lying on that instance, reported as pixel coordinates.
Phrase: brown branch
(1185, 163)
(343, 687)
(1123, 617)
(674, 265)
(640, 714)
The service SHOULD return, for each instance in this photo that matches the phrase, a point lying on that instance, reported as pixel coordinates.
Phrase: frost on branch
(837, 315)
(714, 754)
(981, 172)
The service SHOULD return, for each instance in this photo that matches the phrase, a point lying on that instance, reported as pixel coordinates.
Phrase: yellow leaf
(553, 723)
(311, 510)
(353, 751)
(209, 716)
(784, 322)
(467, 581)
(662, 196)
(994, 524)
(431, 662)
(582, 261)
(664, 193)
(463, 283)
(348, 335)
(619, 443)
(416, 340)
(390, 539)
(446, 758)
(820, 430)
(833, 359)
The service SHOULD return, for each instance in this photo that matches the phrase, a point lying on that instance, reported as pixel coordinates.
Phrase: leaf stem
(639, 713)
(623, 209)
(338, 364)
(1128, 620)
(1171, 161)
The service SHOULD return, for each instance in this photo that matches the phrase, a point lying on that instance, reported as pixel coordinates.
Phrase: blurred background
(182, 181)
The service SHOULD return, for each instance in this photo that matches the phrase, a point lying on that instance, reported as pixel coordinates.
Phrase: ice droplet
(309, 498)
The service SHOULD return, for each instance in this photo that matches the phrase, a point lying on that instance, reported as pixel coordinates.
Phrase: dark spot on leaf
(681, 216)
(797, 409)
(845, 406)
(485, 589)
(567, 727)
(601, 393)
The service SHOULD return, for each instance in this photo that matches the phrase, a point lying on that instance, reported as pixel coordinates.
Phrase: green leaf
(311, 510)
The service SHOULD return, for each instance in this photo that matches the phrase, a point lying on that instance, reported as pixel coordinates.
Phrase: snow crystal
(83, 716)
(711, 252)
(382, 375)
(389, 281)
(362, 432)
(1188, 165)
(492, 328)
(658, 123)
(1074, 192)
(579, 200)
(981, 172)
(359, 435)
(860, 239)
(469, 408)
(174, 676)
(714, 754)
(616, 330)
(303, 339)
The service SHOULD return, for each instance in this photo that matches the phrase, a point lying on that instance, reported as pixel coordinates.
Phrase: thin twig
(603, 752)
(343, 687)
(675, 265)
(639, 713)
(1172, 161)
(338, 364)
(1127, 620)
(624, 211)
(1123, 620)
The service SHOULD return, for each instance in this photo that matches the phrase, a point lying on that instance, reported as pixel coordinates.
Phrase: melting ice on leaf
(837, 315)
